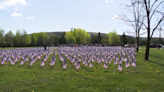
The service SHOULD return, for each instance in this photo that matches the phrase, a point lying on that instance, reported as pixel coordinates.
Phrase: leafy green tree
(42, 39)
(52, 39)
(47, 39)
(27, 40)
(17, 39)
(9, 39)
(23, 38)
(113, 38)
(34, 39)
(70, 38)
(104, 39)
(82, 37)
(2, 38)
(16, 43)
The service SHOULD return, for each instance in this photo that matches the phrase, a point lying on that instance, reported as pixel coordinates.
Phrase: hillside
(154, 40)
(60, 33)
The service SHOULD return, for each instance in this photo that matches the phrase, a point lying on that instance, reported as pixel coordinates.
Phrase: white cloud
(109, 1)
(30, 18)
(116, 17)
(16, 14)
(14, 3)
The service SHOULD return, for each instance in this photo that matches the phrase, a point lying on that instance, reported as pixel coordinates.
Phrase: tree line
(74, 36)
(22, 39)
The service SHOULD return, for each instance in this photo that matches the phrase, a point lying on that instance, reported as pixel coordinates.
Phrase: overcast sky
(61, 15)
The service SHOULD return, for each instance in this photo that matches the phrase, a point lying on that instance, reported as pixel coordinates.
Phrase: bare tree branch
(153, 5)
(142, 33)
(155, 8)
(157, 26)
(136, 21)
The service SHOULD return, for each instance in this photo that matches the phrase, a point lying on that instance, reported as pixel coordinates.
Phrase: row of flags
(76, 55)
(24, 55)
(98, 54)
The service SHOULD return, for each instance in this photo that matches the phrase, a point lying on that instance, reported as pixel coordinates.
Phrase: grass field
(148, 76)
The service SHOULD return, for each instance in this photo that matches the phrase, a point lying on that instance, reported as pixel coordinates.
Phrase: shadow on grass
(156, 63)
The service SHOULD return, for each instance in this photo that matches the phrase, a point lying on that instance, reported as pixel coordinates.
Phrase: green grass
(148, 76)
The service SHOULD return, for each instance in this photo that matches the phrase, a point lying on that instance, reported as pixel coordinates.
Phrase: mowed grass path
(148, 76)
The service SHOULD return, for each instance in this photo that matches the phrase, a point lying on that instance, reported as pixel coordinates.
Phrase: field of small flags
(84, 69)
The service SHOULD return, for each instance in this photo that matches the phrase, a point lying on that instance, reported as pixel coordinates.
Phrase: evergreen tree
(62, 39)
(99, 37)
(124, 39)
(2, 38)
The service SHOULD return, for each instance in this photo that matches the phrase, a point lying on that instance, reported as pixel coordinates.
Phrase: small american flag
(79, 59)
(133, 64)
(75, 63)
(39, 57)
(120, 67)
(115, 61)
(22, 62)
(127, 64)
(52, 63)
(42, 63)
(105, 65)
(84, 61)
(12, 62)
(100, 63)
(90, 65)
(78, 66)
(2, 62)
(86, 64)
(64, 65)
